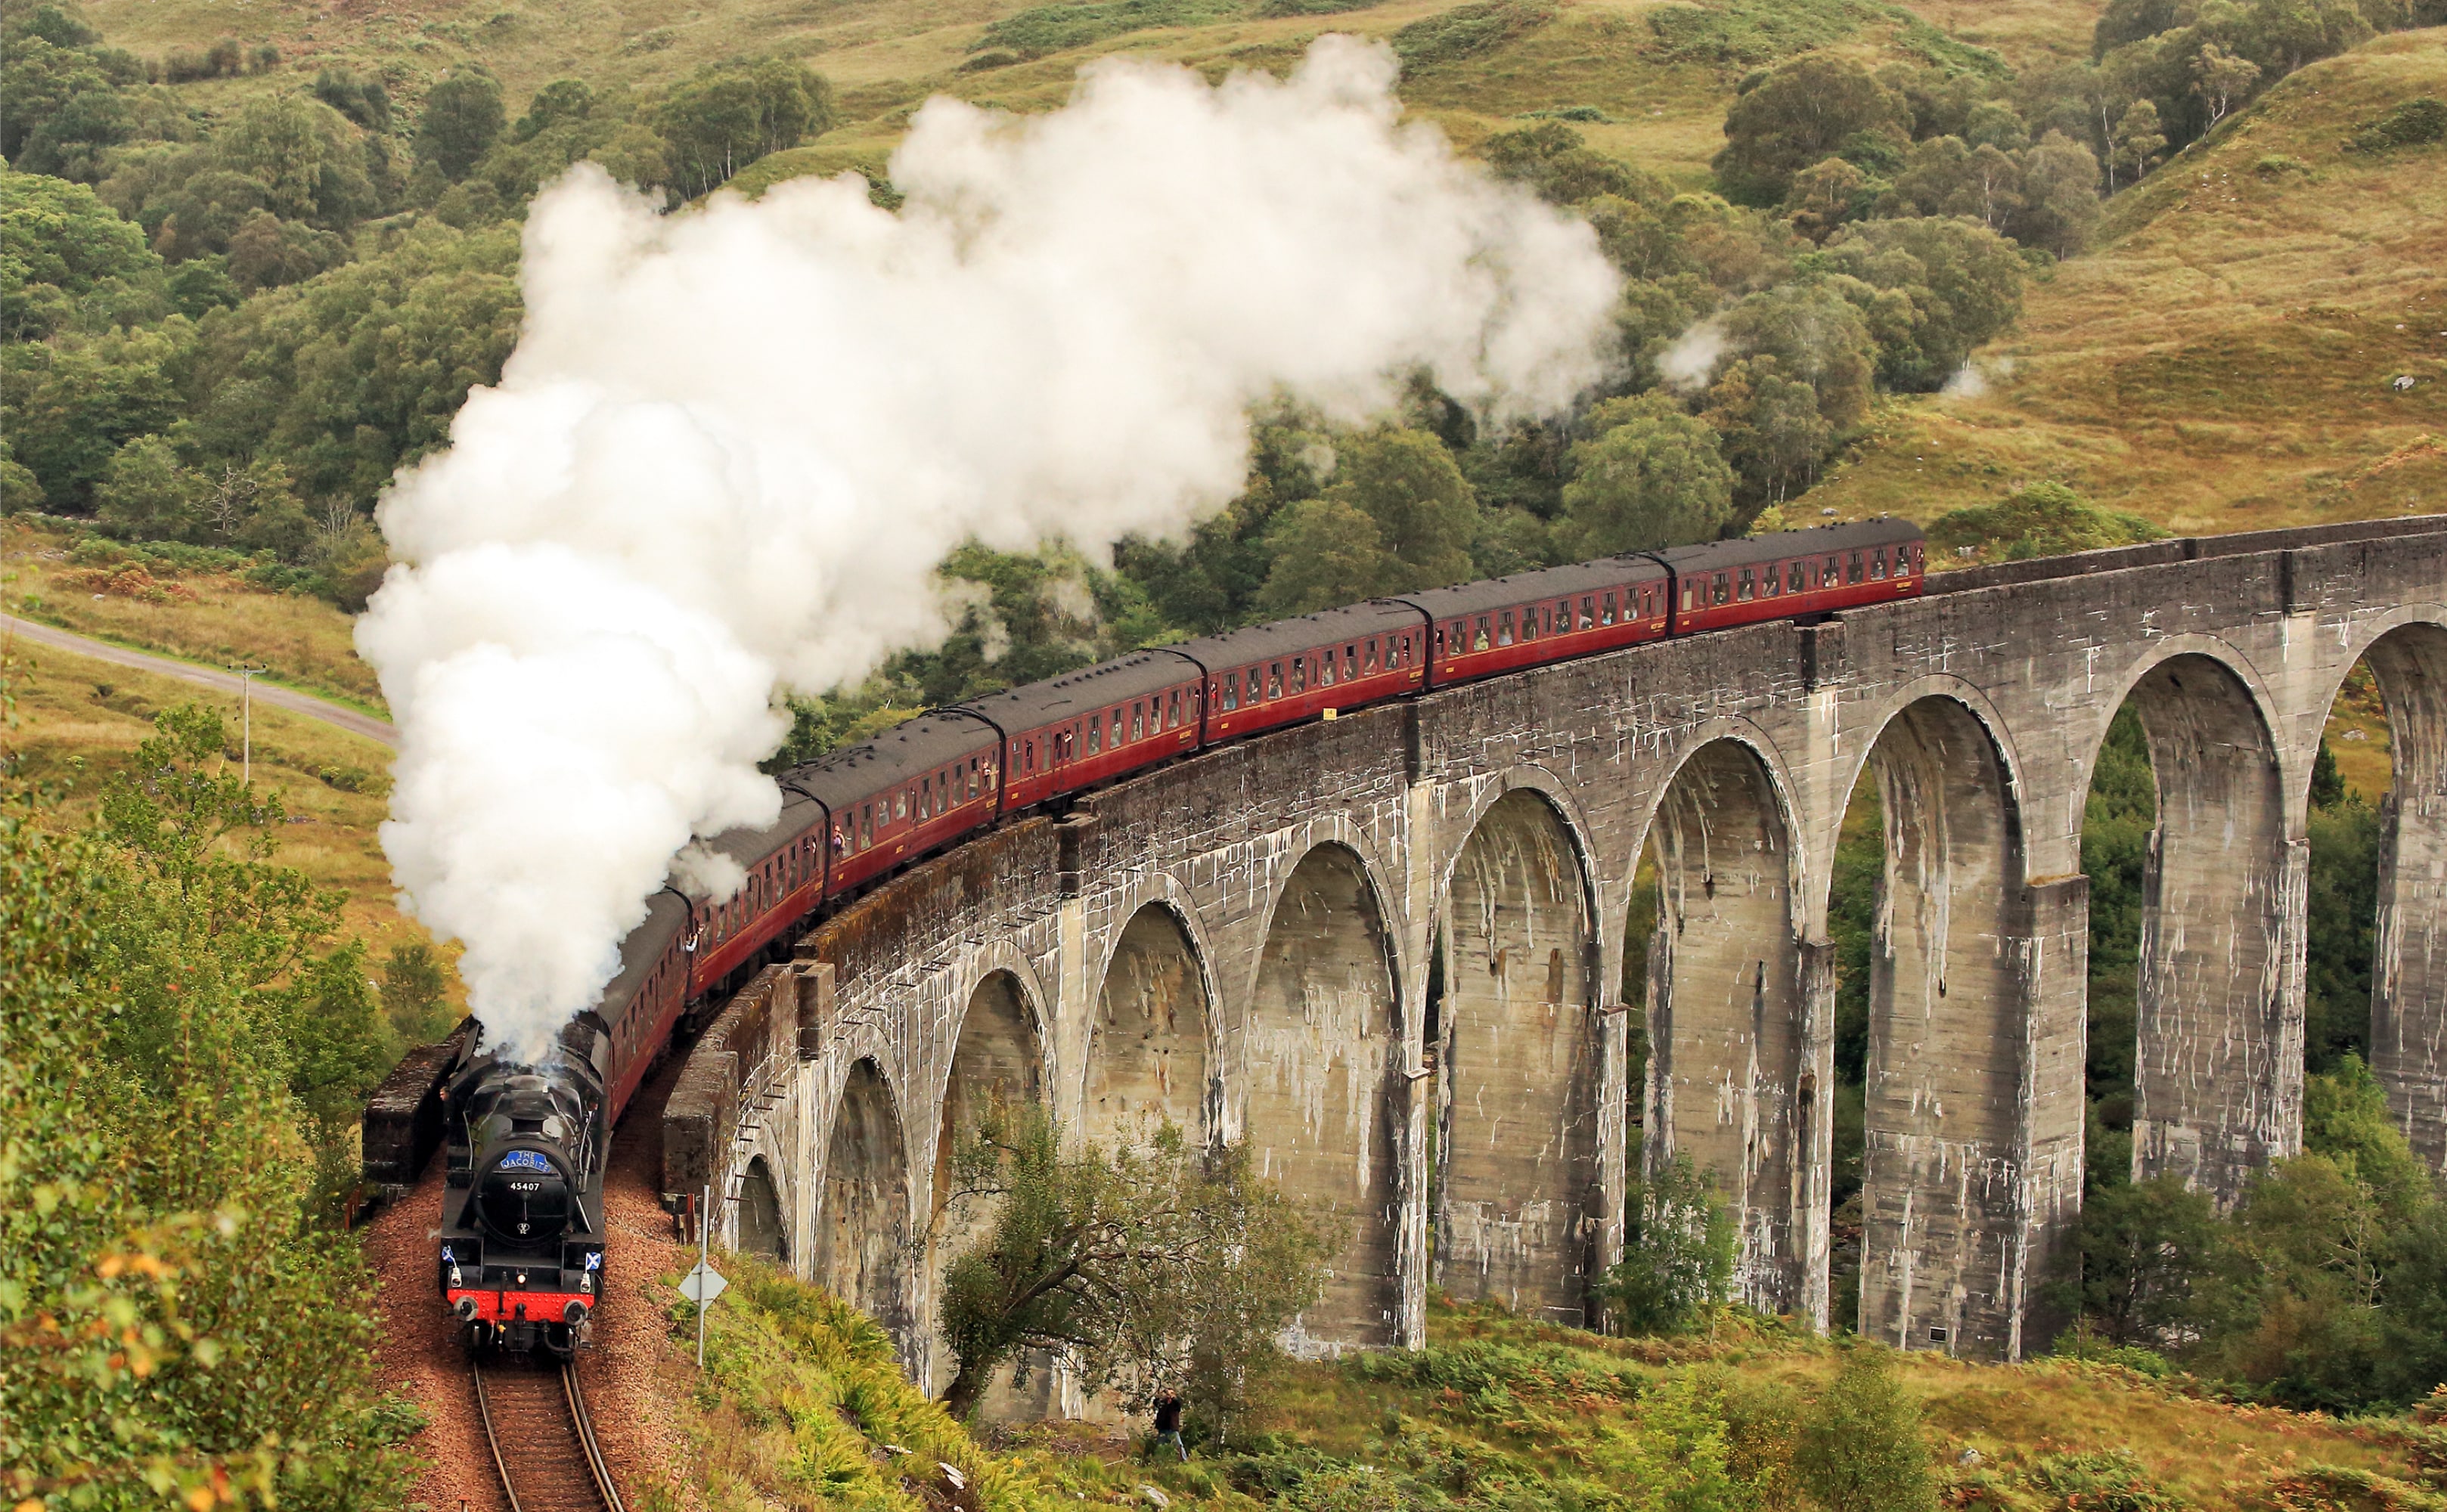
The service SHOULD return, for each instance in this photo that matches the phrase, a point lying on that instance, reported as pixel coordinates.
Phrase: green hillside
(2227, 360)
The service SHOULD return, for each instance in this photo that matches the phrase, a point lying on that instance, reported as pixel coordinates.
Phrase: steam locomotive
(523, 1240)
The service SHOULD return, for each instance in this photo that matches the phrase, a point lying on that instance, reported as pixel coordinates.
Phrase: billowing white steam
(1691, 361)
(733, 446)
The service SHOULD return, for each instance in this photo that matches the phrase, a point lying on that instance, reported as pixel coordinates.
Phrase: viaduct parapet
(1389, 951)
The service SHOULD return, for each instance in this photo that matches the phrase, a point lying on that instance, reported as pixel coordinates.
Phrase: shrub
(1467, 31)
(2107, 1480)
(2045, 519)
(1860, 1448)
(2411, 123)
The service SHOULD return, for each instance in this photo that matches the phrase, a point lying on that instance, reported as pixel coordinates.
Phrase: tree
(1142, 1264)
(1860, 1449)
(1773, 433)
(1812, 108)
(1817, 337)
(1407, 481)
(2060, 206)
(2138, 1260)
(70, 403)
(1825, 196)
(60, 245)
(462, 117)
(146, 495)
(1945, 284)
(1326, 553)
(2221, 79)
(725, 117)
(1650, 476)
(161, 1269)
(1678, 1259)
(2138, 141)
(305, 155)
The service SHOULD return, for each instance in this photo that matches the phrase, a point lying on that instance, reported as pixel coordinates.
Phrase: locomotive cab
(521, 1256)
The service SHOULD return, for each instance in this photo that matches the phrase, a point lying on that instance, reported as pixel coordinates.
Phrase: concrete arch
(863, 1241)
(998, 1059)
(1151, 1053)
(2408, 1035)
(1458, 830)
(1982, 711)
(1320, 1053)
(762, 1227)
(2219, 1069)
(1783, 785)
(1730, 1066)
(1518, 1050)
(1942, 1194)
(1337, 830)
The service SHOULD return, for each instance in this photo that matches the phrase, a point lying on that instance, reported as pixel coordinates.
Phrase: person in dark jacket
(1167, 1423)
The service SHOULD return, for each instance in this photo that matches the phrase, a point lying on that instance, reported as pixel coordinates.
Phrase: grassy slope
(801, 1408)
(80, 719)
(304, 641)
(2224, 362)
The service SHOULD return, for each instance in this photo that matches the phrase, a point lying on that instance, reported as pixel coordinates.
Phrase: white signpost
(703, 1284)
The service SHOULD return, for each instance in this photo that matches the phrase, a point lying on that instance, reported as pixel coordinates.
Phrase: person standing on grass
(1167, 1423)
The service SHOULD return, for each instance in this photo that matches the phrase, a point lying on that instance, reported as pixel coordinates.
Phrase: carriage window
(1852, 568)
(1504, 630)
(1325, 673)
(1724, 588)
(1773, 580)
(1116, 740)
(1748, 588)
(1686, 595)
(1096, 736)
(1350, 662)
(1878, 563)
(1795, 576)
(1274, 679)
(1528, 622)
(1231, 690)
(1138, 721)
(841, 837)
(901, 804)
(1915, 551)
(866, 826)
(1589, 613)
(1300, 674)
(1369, 661)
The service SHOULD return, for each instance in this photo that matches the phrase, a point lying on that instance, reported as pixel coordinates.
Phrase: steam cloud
(1691, 361)
(734, 445)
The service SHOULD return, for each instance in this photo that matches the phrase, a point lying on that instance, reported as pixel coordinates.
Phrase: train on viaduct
(1388, 951)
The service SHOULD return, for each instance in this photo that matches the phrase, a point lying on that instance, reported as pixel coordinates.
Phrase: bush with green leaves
(1677, 1271)
(1142, 1263)
(1860, 1447)
(2042, 519)
(183, 1049)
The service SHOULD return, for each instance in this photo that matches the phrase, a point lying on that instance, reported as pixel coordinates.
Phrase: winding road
(272, 693)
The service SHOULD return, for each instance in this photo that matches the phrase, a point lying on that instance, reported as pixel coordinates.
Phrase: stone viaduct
(1388, 951)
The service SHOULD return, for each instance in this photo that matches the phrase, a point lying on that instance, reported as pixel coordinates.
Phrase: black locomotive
(523, 1228)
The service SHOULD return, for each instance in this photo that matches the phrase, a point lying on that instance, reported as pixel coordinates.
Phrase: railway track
(543, 1439)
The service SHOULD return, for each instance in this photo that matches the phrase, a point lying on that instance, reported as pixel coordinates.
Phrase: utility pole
(246, 676)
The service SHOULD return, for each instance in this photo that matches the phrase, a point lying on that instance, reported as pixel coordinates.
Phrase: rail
(542, 1441)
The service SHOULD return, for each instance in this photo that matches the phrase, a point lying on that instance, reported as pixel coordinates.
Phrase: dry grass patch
(212, 618)
(79, 720)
